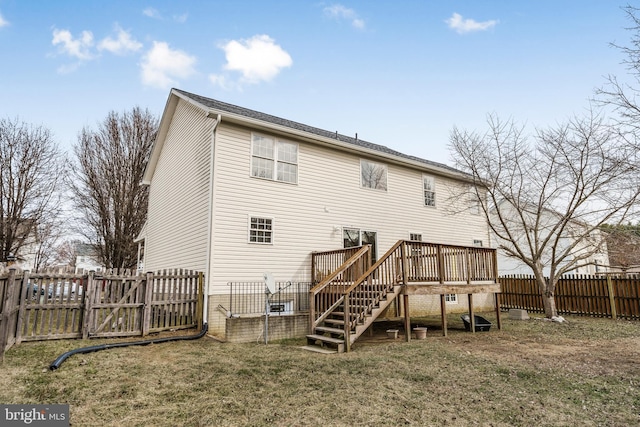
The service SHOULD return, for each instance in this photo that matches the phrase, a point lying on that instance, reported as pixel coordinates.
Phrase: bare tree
(548, 194)
(111, 163)
(31, 167)
(65, 253)
(622, 96)
(45, 240)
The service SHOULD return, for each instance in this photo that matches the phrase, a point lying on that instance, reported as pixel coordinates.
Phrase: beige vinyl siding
(328, 195)
(179, 194)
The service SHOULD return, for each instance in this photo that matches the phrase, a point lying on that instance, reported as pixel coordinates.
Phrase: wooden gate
(115, 306)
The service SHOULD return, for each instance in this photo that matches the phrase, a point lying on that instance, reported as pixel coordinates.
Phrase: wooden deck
(350, 292)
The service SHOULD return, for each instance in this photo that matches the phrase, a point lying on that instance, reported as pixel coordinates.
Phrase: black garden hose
(56, 363)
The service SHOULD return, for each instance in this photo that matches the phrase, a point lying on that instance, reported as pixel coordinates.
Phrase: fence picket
(46, 306)
(577, 294)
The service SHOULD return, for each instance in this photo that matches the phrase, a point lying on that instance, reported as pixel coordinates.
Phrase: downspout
(205, 306)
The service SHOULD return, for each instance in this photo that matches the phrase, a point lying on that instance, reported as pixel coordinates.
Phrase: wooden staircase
(329, 336)
(342, 310)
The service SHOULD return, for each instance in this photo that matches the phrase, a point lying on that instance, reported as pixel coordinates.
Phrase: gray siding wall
(177, 225)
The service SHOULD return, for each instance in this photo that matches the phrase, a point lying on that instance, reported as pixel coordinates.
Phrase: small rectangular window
(261, 230)
(451, 298)
(477, 243)
(429, 188)
(373, 175)
(274, 159)
(415, 237)
(474, 201)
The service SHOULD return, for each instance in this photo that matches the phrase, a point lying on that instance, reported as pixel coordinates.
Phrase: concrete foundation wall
(251, 329)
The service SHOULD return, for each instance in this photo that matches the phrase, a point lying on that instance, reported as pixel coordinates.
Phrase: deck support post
(407, 318)
(496, 295)
(443, 312)
(472, 317)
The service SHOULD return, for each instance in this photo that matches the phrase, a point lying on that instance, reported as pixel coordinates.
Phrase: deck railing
(324, 263)
(328, 293)
(405, 263)
(363, 295)
(433, 262)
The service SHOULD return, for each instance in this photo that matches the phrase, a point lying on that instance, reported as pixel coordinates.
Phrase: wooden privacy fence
(37, 307)
(604, 296)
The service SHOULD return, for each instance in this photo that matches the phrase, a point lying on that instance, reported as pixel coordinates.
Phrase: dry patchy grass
(583, 373)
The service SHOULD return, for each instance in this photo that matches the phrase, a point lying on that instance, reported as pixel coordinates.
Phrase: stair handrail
(328, 280)
(368, 298)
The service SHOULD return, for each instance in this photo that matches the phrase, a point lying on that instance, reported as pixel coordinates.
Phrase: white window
(477, 243)
(260, 230)
(415, 237)
(429, 188)
(474, 201)
(373, 175)
(274, 159)
(451, 298)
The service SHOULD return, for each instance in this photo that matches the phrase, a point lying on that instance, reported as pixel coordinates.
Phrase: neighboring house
(87, 259)
(236, 193)
(624, 250)
(593, 249)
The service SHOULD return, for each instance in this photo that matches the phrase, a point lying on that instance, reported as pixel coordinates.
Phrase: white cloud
(258, 58)
(79, 48)
(339, 12)
(152, 13)
(181, 18)
(121, 45)
(220, 80)
(162, 64)
(462, 26)
(3, 22)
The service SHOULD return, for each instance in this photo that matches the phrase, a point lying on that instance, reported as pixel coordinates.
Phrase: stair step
(330, 330)
(325, 338)
(334, 321)
(316, 349)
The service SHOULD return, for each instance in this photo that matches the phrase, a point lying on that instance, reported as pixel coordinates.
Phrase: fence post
(148, 299)
(23, 305)
(88, 298)
(7, 311)
(200, 302)
(612, 298)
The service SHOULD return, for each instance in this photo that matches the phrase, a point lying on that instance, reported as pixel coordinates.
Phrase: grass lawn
(532, 373)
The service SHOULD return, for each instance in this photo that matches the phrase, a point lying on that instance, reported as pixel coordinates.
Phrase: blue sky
(398, 73)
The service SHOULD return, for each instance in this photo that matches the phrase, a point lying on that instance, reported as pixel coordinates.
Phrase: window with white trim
(451, 298)
(373, 175)
(477, 243)
(474, 201)
(429, 189)
(415, 237)
(261, 230)
(274, 159)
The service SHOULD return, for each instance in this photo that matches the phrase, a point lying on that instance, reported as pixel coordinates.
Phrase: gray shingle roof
(230, 108)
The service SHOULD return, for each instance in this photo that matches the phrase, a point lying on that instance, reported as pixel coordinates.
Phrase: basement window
(451, 298)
